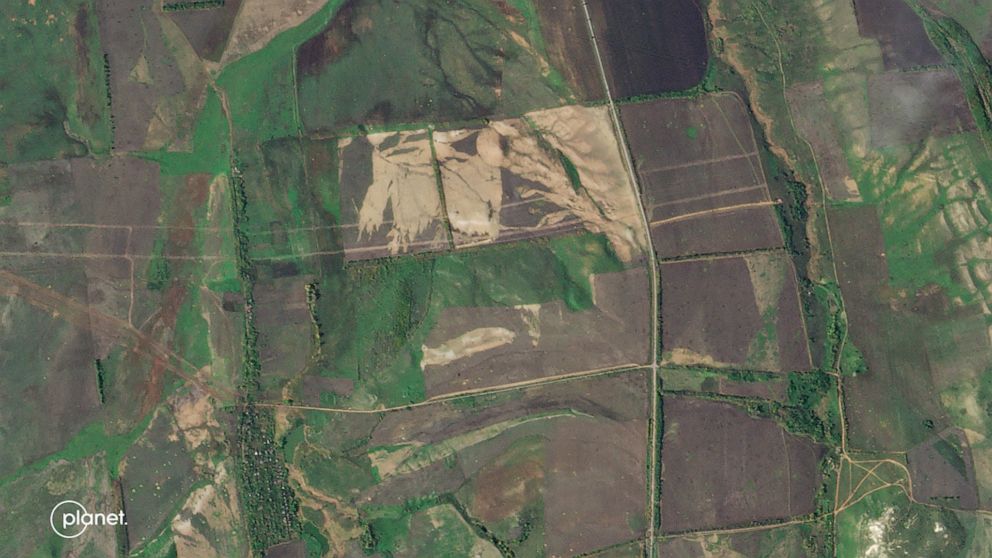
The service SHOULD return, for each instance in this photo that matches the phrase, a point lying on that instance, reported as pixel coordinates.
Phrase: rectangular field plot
(556, 470)
(393, 332)
(723, 468)
(772, 541)
(61, 394)
(899, 31)
(814, 121)
(286, 339)
(390, 202)
(943, 471)
(551, 172)
(500, 185)
(926, 350)
(908, 107)
(470, 348)
(156, 89)
(650, 46)
(707, 380)
(704, 186)
(570, 48)
(740, 311)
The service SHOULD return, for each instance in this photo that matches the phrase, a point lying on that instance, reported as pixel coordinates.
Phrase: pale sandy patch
(416, 456)
(531, 150)
(174, 116)
(216, 506)
(403, 181)
(194, 415)
(685, 357)
(465, 345)
(141, 73)
(472, 186)
(259, 21)
(531, 314)
(607, 203)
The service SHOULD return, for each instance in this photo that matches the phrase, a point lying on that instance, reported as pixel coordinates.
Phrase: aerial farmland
(496, 279)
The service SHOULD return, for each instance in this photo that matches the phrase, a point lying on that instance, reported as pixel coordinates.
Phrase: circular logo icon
(66, 519)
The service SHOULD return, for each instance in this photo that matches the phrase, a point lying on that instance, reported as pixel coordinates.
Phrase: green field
(60, 107)
(466, 59)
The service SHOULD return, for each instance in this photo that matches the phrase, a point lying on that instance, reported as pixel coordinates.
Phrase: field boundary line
(70, 309)
(735, 530)
(700, 197)
(54, 225)
(653, 498)
(438, 399)
(716, 211)
(722, 255)
(700, 162)
(615, 546)
(92, 256)
(841, 407)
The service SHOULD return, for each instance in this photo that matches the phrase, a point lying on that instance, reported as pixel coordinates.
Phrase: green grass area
(261, 87)
(885, 520)
(261, 92)
(381, 312)
(763, 346)
(330, 474)
(269, 506)
(316, 543)
(58, 107)
(157, 476)
(525, 273)
(441, 531)
(950, 449)
(916, 243)
(696, 379)
(92, 440)
(807, 413)
(34, 496)
(961, 50)
(460, 56)
(424, 522)
(974, 15)
(194, 5)
(852, 361)
(285, 194)
(192, 338)
(210, 151)
(770, 47)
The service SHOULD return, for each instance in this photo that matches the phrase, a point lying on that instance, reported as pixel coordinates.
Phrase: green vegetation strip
(959, 49)
(267, 501)
(198, 5)
(804, 413)
(91, 440)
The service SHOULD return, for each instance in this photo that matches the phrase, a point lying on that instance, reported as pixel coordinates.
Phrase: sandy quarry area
(511, 180)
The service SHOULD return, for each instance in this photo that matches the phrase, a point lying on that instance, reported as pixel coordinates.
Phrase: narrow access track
(653, 270)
